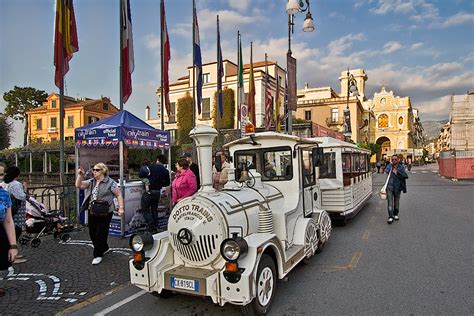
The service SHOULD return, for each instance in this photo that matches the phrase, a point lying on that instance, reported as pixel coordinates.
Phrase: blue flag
(220, 71)
(197, 61)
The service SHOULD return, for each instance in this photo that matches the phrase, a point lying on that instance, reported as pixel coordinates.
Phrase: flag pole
(162, 101)
(194, 69)
(61, 98)
(238, 88)
(218, 74)
(267, 121)
(121, 56)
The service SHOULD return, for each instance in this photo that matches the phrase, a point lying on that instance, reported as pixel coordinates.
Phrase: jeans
(98, 232)
(149, 207)
(393, 203)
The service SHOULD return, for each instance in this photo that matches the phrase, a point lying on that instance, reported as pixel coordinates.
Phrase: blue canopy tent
(113, 134)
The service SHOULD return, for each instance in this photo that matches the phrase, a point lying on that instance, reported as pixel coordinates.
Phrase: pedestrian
(220, 171)
(396, 185)
(18, 195)
(194, 168)
(157, 177)
(378, 165)
(99, 202)
(184, 183)
(8, 245)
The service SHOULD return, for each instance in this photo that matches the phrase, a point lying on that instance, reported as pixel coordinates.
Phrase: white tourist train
(233, 245)
(345, 178)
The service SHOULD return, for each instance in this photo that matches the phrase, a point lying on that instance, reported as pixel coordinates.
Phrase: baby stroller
(40, 221)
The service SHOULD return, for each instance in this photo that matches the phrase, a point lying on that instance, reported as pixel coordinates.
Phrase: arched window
(383, 121)
(400, 120)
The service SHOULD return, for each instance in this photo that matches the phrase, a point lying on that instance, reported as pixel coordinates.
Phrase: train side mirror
(317, 156)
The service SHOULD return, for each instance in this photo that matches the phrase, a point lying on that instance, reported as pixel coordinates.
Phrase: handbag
(99, 208)
(383, 190)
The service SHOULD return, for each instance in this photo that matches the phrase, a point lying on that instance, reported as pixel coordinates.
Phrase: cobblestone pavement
(59, 275)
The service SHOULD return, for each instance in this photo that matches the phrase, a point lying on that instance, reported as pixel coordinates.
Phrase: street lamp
(293, 7)
(351, 90)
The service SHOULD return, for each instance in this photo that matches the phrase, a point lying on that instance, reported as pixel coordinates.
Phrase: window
(53, 104)
(328, 168)
(334, 115)
(53, 122)
(92, 119)
(70, 121)
(400, 120)
(206, 78)
(309, 177)
(245, 161)
(346, 163)
(39, 124)
(69, 138)
(206, 108)
(277, 165)
(383, 121)
(105, 106)
(172, 114)
(39, 140)
(307, 115)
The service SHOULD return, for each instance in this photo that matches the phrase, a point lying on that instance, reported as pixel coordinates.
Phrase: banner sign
(291, 68)
(244, 115)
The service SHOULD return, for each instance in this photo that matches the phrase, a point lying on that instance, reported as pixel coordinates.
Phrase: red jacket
(184, 185)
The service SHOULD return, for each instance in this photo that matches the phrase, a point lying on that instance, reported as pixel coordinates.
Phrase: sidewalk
(58, 276)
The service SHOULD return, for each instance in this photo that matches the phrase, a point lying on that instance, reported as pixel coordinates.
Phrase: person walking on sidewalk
(18, 202)
(158, 176)
(100, 188)
(396, 185)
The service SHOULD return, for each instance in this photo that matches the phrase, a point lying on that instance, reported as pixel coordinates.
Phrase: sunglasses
(96, 170)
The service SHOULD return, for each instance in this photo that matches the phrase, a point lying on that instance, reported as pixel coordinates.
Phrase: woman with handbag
(99, 202)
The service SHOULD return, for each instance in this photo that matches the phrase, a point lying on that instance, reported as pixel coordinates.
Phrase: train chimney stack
(203, 137)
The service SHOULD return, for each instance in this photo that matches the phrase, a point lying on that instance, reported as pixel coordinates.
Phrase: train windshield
(273, 164)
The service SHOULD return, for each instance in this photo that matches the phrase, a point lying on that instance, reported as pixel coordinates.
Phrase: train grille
(202, 249)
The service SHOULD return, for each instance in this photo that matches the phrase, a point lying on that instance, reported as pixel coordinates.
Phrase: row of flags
(66, 44)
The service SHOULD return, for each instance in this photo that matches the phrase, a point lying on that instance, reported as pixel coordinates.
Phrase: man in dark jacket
(194, 168)
(156, 176)
(396, 185)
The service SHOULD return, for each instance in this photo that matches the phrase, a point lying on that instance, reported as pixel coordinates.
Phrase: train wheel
(310, 240)
(266, 286)
(325, 231)
(164, 294)
(23, 240)
(35, 242)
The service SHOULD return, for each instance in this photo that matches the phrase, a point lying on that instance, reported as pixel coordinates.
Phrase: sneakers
(396, 217)
(390, 220)
(96, 261)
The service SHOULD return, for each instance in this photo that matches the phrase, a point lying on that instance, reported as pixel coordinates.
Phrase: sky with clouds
(418, 48)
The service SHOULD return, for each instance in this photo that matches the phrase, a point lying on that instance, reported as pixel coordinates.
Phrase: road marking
(372, 219)
(424, 171)
(350, 266)
(413, 172)
(121, 303)
(365, 236)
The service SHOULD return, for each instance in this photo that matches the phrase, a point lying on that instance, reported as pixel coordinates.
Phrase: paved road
(419, 265)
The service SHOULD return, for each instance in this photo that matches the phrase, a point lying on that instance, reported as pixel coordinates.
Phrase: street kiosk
(107, 141)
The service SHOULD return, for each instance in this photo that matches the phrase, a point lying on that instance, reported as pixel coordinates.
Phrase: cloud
(152, 41)
(416, 46)
(458, 19)
(435, 109)
(391, 47)
(418, 10)
(240, 5)
(337, 47)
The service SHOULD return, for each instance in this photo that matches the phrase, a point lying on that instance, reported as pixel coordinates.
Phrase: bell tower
(360, 78)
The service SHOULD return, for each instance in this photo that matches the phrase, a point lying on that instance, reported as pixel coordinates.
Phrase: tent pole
(122, 187)
(78, 204)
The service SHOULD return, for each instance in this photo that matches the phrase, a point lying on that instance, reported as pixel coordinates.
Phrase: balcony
(52, 130)
(331, 122)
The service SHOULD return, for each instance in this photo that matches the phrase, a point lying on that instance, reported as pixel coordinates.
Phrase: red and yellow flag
(65, 39)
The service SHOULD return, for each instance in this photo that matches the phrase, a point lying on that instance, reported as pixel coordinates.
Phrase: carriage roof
(262, 137)
(330, 142)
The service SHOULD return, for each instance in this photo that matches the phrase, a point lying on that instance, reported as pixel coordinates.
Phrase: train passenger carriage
(345, 178)
(234, 244)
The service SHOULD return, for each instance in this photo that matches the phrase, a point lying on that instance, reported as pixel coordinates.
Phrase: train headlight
(234, 248)
(141, 242)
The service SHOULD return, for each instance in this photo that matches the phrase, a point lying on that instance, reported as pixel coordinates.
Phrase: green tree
(21, 100)
(6, 129)
(185, 119)
(374, 148)
(228, 107)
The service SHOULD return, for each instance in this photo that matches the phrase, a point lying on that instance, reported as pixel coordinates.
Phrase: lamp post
(293, 7)
(351, 90)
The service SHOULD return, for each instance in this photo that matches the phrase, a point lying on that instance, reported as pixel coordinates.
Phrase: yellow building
(43, 122)
(325, 107)
(184, 85)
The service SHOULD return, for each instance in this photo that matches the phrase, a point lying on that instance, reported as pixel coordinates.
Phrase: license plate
(184, 284)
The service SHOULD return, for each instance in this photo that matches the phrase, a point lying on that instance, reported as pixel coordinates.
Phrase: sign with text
(291, 68)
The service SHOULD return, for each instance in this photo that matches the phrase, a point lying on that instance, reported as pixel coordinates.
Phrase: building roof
(72, 102)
